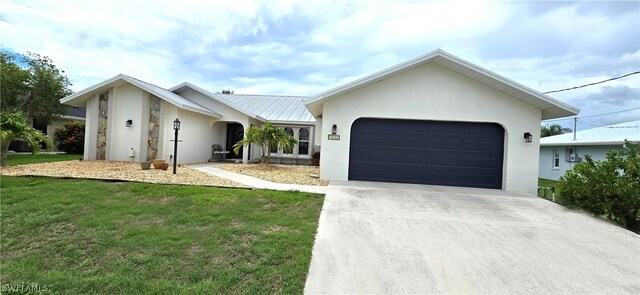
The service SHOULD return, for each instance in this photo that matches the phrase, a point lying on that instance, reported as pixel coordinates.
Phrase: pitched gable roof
(78, 98)
(605, 135)
(186, 85)
(274, 108)
(550, 107)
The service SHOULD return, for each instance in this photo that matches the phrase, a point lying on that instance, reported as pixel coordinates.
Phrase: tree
(266, 137)
(32, 84)
(609, 188)
(13, 82)
(13, 125)
(554, 129)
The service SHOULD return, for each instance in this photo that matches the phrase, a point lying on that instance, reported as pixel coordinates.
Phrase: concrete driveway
(394, 238)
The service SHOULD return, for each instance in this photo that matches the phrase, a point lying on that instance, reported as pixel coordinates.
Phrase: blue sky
(307, 47)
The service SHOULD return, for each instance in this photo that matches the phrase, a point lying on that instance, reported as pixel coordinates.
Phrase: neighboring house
(436, 119)
(73, 114)
(560, 153)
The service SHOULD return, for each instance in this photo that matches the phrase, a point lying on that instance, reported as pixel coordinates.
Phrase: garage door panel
(427, 152)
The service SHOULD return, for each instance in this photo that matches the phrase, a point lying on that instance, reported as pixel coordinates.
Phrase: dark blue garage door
(427, 152)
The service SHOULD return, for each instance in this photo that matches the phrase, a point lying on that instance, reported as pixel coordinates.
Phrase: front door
(235, 133)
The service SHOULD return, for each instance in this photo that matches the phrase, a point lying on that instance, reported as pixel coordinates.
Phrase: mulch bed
(116, 170)
(293, 174)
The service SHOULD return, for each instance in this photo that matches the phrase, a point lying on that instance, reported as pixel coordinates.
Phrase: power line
(595, 125)
(594, 83)
(609, 113)
(590, 116)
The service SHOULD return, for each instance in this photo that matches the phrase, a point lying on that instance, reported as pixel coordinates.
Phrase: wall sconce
(129, 122)
(528, 137)
(334, 129)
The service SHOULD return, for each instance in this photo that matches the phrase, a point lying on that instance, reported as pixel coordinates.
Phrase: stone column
(154, 128)
(246, 149)
(101, 144)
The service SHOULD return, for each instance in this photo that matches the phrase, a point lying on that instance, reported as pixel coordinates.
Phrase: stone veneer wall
(154, 128)
(101, 144)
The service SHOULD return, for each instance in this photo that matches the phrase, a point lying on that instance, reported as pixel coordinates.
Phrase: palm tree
(13, 125)
(554, 129)
(266, 137)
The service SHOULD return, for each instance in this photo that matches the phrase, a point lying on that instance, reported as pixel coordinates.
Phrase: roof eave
(579, 143)
(570, 110)
(73, 118)
(82, 93)
(178, 87)
(281, 122)
(71, 99)
(315, 108)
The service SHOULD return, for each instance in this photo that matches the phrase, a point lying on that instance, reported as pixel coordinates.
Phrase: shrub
(609, 188)
(13, 125)
(70, 137)
(315, 158)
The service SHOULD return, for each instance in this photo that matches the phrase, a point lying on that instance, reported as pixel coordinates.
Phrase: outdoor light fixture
(176, 124)
(528, 137)
(129, 122)
(334, 129)
(176, 127)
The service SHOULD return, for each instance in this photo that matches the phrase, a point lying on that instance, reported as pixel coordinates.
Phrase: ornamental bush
(609, 188)
(70, 137)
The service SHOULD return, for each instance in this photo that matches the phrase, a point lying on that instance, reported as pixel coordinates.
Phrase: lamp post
(176, 127)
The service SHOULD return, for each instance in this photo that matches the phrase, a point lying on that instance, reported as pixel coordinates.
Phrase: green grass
(548, 183)
(86, 237)
(22, 159)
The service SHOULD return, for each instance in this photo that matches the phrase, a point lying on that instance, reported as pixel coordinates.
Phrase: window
(290, 132)
(301, 149)
(303, 141)
(556, 159)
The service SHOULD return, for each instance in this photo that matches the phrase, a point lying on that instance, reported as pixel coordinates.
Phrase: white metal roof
(78, 98)
(274, 108)
(550, 107)
(186, 85)
(612, 134)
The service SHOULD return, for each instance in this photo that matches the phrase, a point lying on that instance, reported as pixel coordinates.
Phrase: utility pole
(575, 128)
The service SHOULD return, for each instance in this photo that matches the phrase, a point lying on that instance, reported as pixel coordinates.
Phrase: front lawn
(85, 237)
(22, 159)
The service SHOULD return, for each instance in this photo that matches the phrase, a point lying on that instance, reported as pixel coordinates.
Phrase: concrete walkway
(41, 152)
(256, 182)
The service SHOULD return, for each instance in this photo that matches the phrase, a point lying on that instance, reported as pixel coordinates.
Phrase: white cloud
(307, 47)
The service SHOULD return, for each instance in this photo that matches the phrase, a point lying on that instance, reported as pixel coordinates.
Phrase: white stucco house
(125, 114)
(560, 153)
(436, 119)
